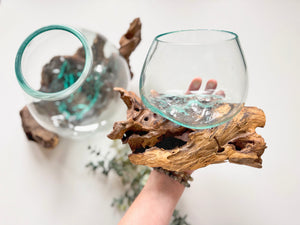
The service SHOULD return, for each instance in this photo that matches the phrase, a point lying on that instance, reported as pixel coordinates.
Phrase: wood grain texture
(157, 142)
(130, 40)
(35, 132)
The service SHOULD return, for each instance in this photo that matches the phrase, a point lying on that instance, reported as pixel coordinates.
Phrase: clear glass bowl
(68, 76)
(176, 59)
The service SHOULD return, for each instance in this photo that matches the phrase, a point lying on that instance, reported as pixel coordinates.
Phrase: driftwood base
(157, 142)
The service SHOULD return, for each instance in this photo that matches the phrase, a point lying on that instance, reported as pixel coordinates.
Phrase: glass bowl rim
(157, 38)
(63, 93)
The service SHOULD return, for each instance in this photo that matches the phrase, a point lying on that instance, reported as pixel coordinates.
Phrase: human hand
(210, 87)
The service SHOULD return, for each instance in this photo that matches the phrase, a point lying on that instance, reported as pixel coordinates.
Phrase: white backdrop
(53, 187)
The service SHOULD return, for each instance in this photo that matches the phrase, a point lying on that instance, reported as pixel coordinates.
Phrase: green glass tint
(176, 59)
(69, 76)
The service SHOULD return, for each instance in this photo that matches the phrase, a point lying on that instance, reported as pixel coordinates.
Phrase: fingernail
(196, 84)
(211, 85)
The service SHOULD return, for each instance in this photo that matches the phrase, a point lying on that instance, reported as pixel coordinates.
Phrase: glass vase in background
(177, 58)
(68, 76)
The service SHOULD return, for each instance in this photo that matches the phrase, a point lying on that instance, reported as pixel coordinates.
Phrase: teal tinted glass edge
(235, 36)
(155, 110)
(63, 93)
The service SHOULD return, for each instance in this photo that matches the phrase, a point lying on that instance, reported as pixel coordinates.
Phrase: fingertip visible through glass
(216, 56)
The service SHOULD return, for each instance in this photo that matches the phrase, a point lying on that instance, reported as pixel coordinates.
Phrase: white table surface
(42, 187)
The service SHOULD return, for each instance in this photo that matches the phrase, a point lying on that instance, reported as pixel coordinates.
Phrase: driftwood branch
(157, 142)
(35, 132)
(130, 40)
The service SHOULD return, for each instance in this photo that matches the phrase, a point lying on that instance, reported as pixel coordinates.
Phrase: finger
(194, 85)
(211, 85)
(154, 93)
(221, 93)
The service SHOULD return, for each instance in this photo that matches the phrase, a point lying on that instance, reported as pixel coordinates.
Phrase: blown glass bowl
(68, 76)
(178, 63)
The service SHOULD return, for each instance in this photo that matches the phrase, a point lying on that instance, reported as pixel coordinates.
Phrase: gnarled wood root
(130, 40)
(157, 142)
(34, 132)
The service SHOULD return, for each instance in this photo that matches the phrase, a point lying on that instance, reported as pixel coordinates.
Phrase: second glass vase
(68, 76)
